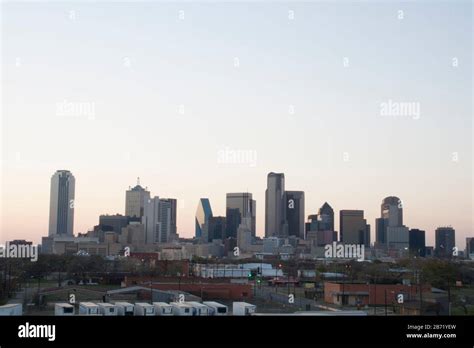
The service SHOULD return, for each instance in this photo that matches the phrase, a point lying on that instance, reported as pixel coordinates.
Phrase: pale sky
(299, 84)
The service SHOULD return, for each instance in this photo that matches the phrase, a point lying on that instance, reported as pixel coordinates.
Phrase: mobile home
(145, 309)
(216, 308)
(243, 308)
(107, 309)
(124, 308)
(61, 309)
(88, 308)
(199, 309)
(163, 308)
(181, 308)
(11, 309)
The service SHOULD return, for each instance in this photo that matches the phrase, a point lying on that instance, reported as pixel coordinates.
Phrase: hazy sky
(113, 91)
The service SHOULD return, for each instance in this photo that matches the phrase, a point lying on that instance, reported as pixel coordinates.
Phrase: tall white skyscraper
(61, 204)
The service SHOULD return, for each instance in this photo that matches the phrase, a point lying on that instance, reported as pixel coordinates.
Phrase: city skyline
(204, 99)
(143, 195)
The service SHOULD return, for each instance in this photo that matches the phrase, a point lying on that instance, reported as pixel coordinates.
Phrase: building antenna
(138, 181)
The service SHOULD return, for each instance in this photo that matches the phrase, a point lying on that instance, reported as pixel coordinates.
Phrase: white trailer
(144, 309)
(107, 309)
(62, 309)
(182, 309)
(88, 308)
(11, 309)
(124, 308)
(243, 308)
(163, 308)
(199, 309)
(216, 308)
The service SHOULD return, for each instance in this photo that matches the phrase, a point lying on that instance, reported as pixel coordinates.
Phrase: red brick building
(207, 289)
(352, 294)
(211, 291)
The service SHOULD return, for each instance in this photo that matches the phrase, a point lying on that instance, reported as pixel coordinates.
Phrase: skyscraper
(397, 238)
(354, 228)
(469, 248)
(150, 220)
(203, 213)
(275, 209)
(164, 220)
(392, 210)
(240, 208)
(216, 228)
(173, 219)
(158, 219)
(135, 200)
(295, 213)
(391, 215)
(417, 244)
(326, 218)
(381, 231)
(61, 204)
(445, 239)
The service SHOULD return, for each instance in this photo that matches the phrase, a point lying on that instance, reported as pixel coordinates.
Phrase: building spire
(138, 181)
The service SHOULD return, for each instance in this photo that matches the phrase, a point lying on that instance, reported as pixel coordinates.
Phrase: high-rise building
(312, 224)
(381, 231)
(326, 218)
(392, 210)
(150, 220)
(164, 221)
(173, 219)
(157, 220)
(240, 208)
(113, 223)
(203, 213)
(61, 204)
(391, 215)
(322, 225)
(445, 241)
(397, 238)
(135, 200)
(275, 209)
(470, 248)
(417, 243)
(295, 213)
(216, 228)
(353, 227)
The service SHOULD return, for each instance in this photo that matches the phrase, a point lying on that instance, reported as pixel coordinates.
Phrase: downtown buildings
(149, 224)
(284, 210)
